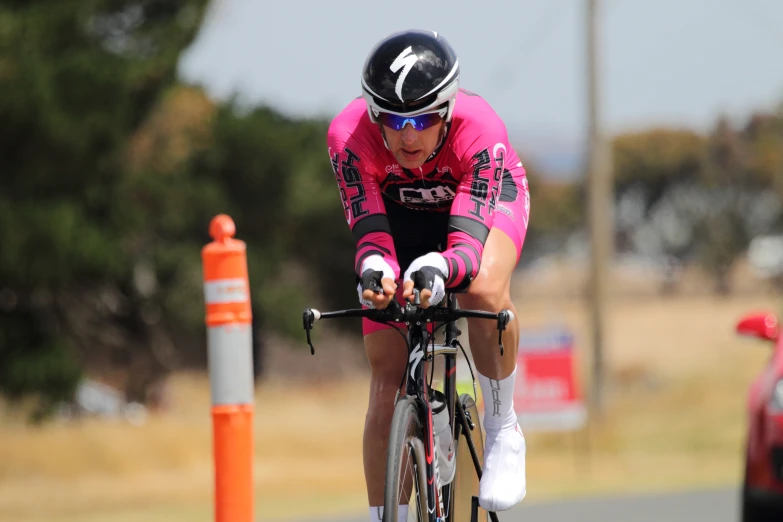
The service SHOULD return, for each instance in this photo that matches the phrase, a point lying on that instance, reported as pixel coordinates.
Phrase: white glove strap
(378, 263)
(433, 259)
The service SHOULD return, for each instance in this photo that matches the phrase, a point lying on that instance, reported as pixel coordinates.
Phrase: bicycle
(411, 440)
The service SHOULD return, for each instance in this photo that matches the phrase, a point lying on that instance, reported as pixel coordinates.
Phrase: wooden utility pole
(600, 215)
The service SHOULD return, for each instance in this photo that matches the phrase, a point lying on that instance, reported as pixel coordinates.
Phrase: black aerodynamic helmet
(411, 72)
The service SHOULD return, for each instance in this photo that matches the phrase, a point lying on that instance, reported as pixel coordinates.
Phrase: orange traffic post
(229, 346)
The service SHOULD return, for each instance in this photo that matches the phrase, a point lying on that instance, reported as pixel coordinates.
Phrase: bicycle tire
(406, 461)
(466, 481)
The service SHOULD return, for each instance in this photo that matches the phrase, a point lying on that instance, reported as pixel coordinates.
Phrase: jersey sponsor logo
(480, 194)
(335, 159)
(404, 61)
(424, 196)
(499, 153)
(394, 169)
(479, 187)
(433, 191)
(347, 172)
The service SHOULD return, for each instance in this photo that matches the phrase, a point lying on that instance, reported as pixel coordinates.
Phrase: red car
(762, 492)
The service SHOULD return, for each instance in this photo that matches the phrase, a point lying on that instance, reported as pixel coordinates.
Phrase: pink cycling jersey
(464, 177)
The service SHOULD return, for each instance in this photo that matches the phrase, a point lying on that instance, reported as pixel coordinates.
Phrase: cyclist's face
(412, 147)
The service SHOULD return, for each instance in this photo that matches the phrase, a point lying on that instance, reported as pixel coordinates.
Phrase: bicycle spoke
(406, 478)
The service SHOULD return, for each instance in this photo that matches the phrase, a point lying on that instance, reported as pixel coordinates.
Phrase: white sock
(498, 401)
(376, 513)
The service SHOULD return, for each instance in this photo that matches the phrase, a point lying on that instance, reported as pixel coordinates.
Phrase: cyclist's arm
(362, 204)
(473, 209)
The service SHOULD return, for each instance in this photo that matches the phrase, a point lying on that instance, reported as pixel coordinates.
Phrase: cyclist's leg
(387, 356)
(490, 290)
(387, 352)
(503, 482)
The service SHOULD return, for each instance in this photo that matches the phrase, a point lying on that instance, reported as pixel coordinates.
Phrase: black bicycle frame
(450, 390)
(419, 340)
(460, 423)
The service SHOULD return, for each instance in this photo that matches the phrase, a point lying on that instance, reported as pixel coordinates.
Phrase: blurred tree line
(687, 198)
(111, 173)
(681, 197)
(112, 170)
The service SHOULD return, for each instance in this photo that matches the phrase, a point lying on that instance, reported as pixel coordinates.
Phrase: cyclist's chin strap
(443, 135)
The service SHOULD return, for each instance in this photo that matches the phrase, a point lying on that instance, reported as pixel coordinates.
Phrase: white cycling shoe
(503, 483)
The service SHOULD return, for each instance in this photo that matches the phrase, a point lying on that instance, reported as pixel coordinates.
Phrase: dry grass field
(674, 419)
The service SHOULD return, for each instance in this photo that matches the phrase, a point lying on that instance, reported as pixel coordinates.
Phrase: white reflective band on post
(225, 291)
(230, 364)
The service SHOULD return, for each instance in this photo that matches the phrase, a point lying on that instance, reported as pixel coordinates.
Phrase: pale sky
(664, 62)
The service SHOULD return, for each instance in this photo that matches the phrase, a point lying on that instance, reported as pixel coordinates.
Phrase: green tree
(656, 159)
(77, 79)
(701, 198)
(556, 211)
(764, 134)
(279, 188)
(730, 184)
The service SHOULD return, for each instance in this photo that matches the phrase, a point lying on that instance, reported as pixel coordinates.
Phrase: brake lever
(504, 317)
(308, 319)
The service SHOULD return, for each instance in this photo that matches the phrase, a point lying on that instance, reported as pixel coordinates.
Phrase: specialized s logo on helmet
(405, 60)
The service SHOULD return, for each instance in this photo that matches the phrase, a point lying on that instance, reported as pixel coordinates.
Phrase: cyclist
(431, 185)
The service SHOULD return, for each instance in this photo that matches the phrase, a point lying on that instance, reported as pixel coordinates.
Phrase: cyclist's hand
(378, 296)
(427, 273)
(424, 295)
(377, 286)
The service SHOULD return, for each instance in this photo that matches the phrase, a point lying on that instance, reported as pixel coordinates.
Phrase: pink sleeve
(473, 210)
(362, 202)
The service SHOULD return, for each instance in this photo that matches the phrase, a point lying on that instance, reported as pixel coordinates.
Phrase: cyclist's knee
(387, 356)
(487, 292)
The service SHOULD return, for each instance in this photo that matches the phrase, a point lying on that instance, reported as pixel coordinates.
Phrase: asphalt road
(719, 505)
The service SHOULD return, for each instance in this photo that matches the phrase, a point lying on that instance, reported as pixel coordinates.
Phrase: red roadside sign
(546, 394)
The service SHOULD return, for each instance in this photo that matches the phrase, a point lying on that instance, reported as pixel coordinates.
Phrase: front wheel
(406, 465)
(468, 445)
